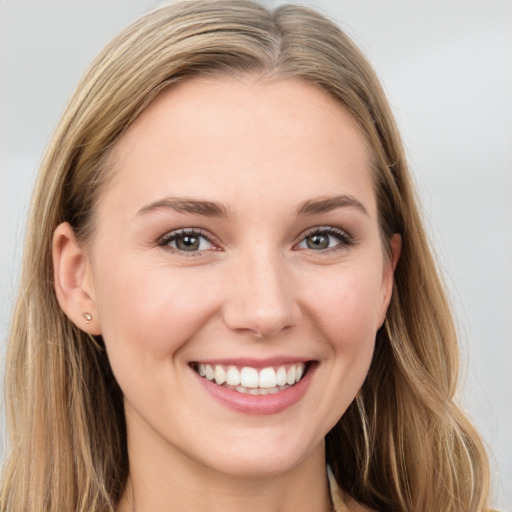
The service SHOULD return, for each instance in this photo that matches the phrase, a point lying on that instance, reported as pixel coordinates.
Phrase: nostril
(261, 323)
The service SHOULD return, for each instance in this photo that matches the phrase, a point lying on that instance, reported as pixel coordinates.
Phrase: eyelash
(165, 240)
(344, 239)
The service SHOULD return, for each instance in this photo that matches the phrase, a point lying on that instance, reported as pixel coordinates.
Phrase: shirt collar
(336, 495)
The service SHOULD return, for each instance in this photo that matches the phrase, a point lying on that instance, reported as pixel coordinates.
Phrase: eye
(325, 238)
(186, 240)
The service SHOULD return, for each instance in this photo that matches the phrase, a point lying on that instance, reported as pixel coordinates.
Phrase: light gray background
(447, 68)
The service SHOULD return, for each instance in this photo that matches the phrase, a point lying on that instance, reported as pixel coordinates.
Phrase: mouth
(253, 381)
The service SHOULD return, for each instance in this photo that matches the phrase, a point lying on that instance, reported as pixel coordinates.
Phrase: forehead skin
(220, 134)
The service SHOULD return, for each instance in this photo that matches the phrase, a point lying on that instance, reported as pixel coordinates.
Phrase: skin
(261, 149)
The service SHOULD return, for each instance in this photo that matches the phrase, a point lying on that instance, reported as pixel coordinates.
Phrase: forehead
(252, 136)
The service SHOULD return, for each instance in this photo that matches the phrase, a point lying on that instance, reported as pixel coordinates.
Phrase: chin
(264, 458)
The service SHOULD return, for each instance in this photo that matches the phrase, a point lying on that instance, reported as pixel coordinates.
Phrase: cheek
(347, 306)
(147, 315)
(151, 311)
(345, 309)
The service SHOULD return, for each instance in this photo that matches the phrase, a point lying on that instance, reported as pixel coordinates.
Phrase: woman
(227, 287)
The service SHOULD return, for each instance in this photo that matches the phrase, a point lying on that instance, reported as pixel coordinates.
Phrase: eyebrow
(327, 204)
(213, 209)
(185, 205)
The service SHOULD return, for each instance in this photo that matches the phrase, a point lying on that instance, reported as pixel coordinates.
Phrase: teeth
(290, 375)
(267, 378)
(220, 375)
(249, 377)
(251, 380)
(260, 391)
(210, 373)
(281, 376)
(233, 376)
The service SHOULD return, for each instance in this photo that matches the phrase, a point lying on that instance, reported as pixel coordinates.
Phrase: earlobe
(73, 280)
(395, 249)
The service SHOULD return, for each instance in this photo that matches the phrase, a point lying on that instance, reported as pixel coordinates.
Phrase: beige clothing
(336, 497)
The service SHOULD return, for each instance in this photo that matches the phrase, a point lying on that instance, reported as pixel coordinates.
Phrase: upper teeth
(249, 377)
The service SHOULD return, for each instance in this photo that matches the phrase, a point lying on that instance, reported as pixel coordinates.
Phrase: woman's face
(238, 240)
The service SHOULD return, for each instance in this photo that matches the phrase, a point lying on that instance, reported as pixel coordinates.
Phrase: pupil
(318, 242)
(188, 243)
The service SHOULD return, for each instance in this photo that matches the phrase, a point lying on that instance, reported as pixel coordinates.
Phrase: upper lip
(253, 362)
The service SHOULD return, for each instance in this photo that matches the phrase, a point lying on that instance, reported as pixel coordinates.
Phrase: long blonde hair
(402, 445)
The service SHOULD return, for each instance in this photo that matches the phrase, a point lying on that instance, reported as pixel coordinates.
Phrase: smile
(252, 381)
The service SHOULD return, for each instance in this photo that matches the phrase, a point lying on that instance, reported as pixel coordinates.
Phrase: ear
(73, 280)
(395, 249)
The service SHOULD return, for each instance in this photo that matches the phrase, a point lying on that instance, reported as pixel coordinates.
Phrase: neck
(169, 481)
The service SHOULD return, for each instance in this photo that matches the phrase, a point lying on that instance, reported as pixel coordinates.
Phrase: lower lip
(259, 404)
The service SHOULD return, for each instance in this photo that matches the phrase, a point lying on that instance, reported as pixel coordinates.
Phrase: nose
(261, 297)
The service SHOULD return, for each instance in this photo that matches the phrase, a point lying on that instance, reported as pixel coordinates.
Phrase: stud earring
(87, 316)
